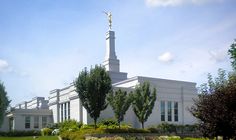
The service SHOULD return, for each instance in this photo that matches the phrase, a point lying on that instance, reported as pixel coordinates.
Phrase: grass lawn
(30, 138)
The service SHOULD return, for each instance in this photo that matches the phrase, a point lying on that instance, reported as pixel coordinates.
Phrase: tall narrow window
(61, 112)
(169, 105)
(162, 110)
(68, 110)
(27, 121)
(65, 111)
(44, 121)
(176, 111)
(36, 121)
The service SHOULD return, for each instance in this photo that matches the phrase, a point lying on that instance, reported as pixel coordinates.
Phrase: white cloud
(218, 55)
(166, 57)
(158, 3)
(3, 65)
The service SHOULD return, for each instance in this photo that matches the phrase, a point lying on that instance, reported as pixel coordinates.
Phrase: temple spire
(111, 62)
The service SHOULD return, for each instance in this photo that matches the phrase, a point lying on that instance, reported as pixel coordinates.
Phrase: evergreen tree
(143, 101)
(232, 53)
(120, 102)
(92, 87)
(4, 102)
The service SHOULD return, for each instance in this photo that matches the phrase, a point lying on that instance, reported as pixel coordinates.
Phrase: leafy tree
(215, 107)
(92, 87)
(4, 102)
(232, 53)
(120, 102)
(143, 101)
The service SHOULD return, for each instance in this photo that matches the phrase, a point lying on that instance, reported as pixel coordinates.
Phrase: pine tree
(4, 102)
(92, 88)
(143, 101)
(120, 102)
(232, 53)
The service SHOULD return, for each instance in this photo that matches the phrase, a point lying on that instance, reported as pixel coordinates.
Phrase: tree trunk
(95, 123)
(143, 125)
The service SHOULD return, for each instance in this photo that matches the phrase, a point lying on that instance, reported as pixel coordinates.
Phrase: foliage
(108, 123)
(120, 103)
(30, 138)
(215, 107)
(46, 132)
(20, 133)
(143, 101)
(232, 53)
(167, 128)
(92, 87)
(4, 102)
(53, 126)
(71, 125)
(78, 135)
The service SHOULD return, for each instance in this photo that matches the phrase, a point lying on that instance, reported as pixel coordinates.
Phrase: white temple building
(173, 97)
(173, 100)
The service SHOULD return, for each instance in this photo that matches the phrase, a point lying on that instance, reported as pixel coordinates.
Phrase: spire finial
(109, 16)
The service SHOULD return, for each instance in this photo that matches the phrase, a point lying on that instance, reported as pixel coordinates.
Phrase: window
(61, 112)
(162, 110)
(176, 111)
(27, 121)
(169, 111)
(44, 121)
(68, 110)
(65, 111)
(36, 121)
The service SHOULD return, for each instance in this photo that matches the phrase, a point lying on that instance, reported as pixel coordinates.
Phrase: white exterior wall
(18, 116)
(167, 90)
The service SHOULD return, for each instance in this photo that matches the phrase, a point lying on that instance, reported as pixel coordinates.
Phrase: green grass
(30, 138)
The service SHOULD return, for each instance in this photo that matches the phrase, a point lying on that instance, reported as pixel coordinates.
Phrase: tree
(92, 87)
(4, 102)
(120, 102)
(232, 53)
(143, 101)
(215, 107)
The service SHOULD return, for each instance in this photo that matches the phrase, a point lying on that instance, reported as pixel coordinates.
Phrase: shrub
(20, 133)
(46, 132)
(166, 128)
(53, 126)
(71, 125)
(108, 123)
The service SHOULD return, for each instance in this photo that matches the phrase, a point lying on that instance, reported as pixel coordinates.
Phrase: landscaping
(30, 138)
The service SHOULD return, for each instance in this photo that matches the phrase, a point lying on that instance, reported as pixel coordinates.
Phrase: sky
(44, 44)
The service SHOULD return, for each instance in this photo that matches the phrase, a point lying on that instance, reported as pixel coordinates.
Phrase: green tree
(232, 53)
(120, 102)
(215, 107)
(4, 102)
(92, 87)
(143, 101)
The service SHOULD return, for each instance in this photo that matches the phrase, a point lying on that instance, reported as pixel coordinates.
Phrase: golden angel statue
(109, 15)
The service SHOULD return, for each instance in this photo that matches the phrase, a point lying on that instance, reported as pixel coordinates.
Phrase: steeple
(111, 62)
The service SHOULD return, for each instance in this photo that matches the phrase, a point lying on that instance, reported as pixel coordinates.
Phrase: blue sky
(44, 44)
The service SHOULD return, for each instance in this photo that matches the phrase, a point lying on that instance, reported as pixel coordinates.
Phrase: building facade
(28, 115)
(174, 98)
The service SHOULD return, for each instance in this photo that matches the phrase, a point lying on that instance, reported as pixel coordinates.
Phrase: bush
(20, 133)
(71, 125)
(166, 128)
(108, 123)
(46, 132)
(53, 126)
